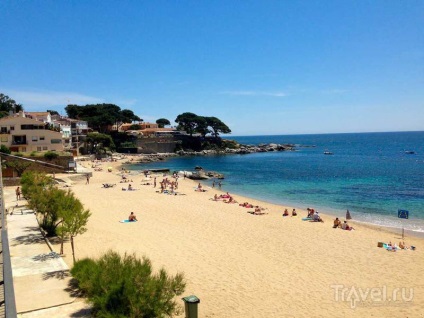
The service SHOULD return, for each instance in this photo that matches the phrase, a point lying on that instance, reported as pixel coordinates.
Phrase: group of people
(401, 246)
(344, 226)
(286, 212)
(314, 215)
(219, 184)
(226, 198)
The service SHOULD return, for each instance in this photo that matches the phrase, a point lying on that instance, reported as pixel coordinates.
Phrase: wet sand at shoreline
(244, 265)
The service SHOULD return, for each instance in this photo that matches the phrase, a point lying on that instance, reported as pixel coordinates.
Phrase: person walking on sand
(219, 185)
(88, 179)
(154, 182)
(18, 193)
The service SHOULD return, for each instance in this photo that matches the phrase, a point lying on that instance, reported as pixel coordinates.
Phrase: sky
(262, 67)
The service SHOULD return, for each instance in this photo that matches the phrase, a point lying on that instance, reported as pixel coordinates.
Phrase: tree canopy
(217, 126)
(52, 112)
(193, 123)
(100, 116)
(97, 143)
(162, 122)
(7, 104)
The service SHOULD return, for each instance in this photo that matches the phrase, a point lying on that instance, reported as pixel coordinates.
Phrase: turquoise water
(370, 174)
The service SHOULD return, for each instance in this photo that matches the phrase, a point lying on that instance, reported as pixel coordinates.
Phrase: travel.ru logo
(375, 296)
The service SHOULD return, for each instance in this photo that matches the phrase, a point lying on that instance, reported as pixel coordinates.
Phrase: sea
(373, 175)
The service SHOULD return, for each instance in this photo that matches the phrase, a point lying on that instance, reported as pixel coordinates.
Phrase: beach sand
(244, 265)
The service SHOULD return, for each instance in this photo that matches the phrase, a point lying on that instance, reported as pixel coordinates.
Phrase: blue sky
(262, 67)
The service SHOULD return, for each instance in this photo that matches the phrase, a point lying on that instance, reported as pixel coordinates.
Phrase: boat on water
(410, 152)
(328, 153)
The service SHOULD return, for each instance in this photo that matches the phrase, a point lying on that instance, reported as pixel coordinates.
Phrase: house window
(41, 137)
(38, 148)
(23, 149)
(12, 127)
(3, 130)
(34, 138)
(27, 127)
(56, 141)
(44, 148)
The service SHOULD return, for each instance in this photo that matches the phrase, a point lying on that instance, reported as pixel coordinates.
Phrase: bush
(125, 287)
(5, 149)
(33, 154)
(50, 155)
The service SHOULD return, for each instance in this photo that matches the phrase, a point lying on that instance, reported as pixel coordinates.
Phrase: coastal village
(29, 133)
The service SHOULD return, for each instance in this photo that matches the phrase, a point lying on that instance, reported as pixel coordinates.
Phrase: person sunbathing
(230, 200)
(402, 246)
(337, 223)
(294, 213)
(316, 217)
(132, 217)
(286, 212)
(346, 226)
(130, 187)
(258, 211)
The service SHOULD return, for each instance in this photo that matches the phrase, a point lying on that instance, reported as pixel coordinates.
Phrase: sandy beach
(244, 265)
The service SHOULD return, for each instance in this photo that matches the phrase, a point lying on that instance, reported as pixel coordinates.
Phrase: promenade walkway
(40, 276)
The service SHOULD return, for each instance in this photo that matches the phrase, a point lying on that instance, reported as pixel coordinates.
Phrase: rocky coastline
(241, 150)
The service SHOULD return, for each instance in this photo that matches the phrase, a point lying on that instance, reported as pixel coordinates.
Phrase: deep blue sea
(369, 173)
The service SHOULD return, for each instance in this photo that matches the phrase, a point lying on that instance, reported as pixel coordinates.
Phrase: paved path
(40, 277)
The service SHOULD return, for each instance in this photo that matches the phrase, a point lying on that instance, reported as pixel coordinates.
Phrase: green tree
(33, 182)
(46, 203)
(74, 219)
(162, 122)
(98, 143)
(126, 287)
(127, 116)
(52, 112)
(5, 149)
(101, 116)
(19, 165)
(135, 127)
(217, 126)
(7, 104)
(191, 123)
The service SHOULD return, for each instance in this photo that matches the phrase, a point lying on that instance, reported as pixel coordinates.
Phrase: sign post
(403, 214)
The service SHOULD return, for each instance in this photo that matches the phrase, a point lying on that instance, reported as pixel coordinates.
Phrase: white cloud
(255, 93)
(31, 99)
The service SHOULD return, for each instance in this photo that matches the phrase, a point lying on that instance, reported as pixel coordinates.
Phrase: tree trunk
(61, 245)
(72, 246)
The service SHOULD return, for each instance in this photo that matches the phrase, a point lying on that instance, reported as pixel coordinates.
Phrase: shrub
(33, 154)
(5, 149)
(50, 155)
(125, 287)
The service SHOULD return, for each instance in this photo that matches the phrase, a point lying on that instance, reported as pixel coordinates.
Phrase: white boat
(328, 153)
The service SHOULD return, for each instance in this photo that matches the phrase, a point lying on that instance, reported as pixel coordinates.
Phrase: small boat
(328, 153)
(410, 152)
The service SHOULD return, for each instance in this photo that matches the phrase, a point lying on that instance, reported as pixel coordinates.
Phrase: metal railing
(9, 291)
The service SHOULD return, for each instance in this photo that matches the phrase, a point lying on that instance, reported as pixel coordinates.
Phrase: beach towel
(127, 221)
(307, 219)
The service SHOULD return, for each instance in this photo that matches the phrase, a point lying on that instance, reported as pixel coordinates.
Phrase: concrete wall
(156, 144)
